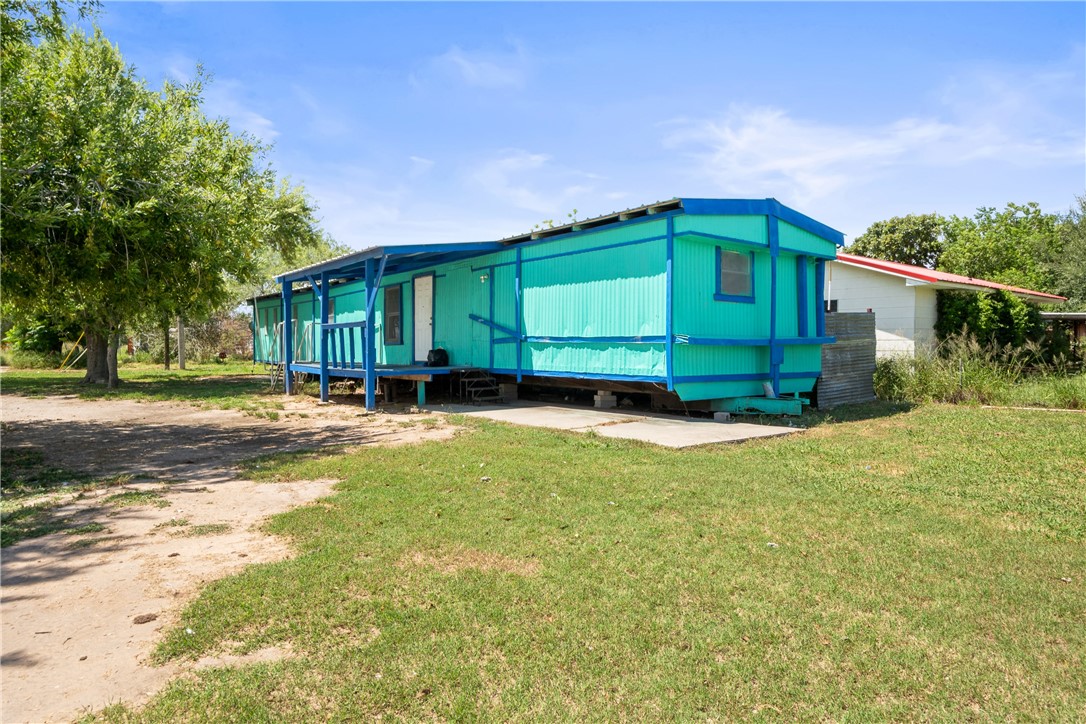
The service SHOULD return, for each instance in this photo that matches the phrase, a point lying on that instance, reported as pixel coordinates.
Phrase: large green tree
(1068, 267)
(915, 239)
(1014, 246)
(121, 202)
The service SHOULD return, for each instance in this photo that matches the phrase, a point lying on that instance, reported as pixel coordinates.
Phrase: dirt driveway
(70, 604)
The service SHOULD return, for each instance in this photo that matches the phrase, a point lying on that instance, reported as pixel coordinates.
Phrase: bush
(962, 370)
(995, 318)
(23, 359)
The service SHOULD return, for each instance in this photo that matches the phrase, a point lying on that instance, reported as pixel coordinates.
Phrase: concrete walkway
(666, 430)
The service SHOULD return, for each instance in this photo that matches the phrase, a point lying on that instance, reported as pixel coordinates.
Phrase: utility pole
(180, 343)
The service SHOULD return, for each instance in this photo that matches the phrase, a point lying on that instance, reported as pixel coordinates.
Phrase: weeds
(960, 370)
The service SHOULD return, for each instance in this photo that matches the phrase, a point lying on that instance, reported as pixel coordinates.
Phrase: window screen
(736, 277)
(393, 315)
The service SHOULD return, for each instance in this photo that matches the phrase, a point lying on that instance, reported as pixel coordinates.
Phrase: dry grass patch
(460, 558)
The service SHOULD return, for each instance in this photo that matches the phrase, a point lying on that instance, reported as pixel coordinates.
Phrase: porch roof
(400, 258)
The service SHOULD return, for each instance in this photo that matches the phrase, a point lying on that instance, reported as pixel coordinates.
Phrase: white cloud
(323, 121)
(530, 181)
(492, 70)
(419, 166)
(986, 116)
(225, 99)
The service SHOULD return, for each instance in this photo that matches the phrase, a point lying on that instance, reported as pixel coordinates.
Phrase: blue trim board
(750, 341)
(596, 229)
(287, 337)
(669, 317)
(518, 313)
(369, 358)
(323, 292)
(718, 237)
(776, 351)
(820, 297)
(422, 370)
(574, 252)
(494, 325)
(762, 207)
(747, 377)
(801, 276)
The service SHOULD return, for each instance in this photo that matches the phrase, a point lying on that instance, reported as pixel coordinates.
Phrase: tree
(915, 239)
(122, 203)
(1015, 246)
(1068, 267)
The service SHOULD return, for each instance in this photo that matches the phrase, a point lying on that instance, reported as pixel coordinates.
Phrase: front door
(423, 294)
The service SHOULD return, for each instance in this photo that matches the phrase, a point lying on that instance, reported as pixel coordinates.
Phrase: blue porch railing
(345, 343)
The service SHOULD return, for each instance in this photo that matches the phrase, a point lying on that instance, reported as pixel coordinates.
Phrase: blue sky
(456, 122)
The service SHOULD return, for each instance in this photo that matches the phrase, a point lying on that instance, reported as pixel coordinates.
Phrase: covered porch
(349, 349)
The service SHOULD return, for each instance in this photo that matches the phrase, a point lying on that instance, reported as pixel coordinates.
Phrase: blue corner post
(804, 327)
(370, 359)
(820, 298)
(322, 293)
(669, 320)
(776, 350)
(518, 301)
(288, 337)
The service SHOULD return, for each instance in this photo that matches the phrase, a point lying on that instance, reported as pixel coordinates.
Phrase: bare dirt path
(69, 604)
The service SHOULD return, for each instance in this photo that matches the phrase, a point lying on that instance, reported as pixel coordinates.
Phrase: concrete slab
(666, 430)
(556, 417)
(688, 433)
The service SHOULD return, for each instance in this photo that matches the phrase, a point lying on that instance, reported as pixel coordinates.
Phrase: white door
(423, 294)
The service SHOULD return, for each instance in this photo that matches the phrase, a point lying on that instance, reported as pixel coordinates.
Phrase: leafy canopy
(915, 239)
(120, 202)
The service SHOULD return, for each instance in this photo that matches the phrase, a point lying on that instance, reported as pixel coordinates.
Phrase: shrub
(995, 318)
(962, 370)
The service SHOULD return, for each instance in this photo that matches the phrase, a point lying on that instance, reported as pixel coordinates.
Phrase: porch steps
(477, 386)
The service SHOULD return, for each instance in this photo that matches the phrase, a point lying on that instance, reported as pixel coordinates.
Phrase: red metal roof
(932, 276)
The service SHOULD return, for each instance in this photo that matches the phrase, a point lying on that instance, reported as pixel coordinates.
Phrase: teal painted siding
(606, 282)
(792, 237)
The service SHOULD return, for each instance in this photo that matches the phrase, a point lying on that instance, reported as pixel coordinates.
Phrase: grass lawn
(229, 386)
(928, 564)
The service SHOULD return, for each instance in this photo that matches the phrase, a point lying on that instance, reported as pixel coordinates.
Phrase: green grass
(925, 564)
(231, 386)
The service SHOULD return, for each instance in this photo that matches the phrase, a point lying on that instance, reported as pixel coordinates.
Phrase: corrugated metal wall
(848, 366)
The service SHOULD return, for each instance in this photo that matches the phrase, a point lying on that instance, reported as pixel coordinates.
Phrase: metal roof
(401, 258)
(944, 280)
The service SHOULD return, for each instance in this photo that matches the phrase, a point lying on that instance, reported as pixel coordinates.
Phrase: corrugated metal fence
(848, 366)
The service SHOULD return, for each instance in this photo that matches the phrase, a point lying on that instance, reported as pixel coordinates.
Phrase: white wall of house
(904, 315)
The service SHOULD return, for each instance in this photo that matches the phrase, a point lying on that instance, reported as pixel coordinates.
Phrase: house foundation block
(604, 400)
(508, 391)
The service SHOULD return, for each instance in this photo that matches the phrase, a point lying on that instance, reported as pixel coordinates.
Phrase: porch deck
(420, 373)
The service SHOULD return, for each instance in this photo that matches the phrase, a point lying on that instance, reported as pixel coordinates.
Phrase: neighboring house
(708, 300)
(902, 298)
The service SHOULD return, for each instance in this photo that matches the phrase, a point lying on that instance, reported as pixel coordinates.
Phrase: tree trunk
(102, 358)
(97, 366)
(166, 340)
(111, 358)
(180, 343)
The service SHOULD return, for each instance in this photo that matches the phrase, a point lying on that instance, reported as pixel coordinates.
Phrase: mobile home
(717, 302)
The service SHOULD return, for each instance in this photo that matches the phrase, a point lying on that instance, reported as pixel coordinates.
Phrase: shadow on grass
(855, 413)
(160, 386)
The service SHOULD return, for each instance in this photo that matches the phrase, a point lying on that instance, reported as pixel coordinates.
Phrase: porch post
(322, 293)
(776, 351)
(518, 302)
(287, 338)
(371, 339)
